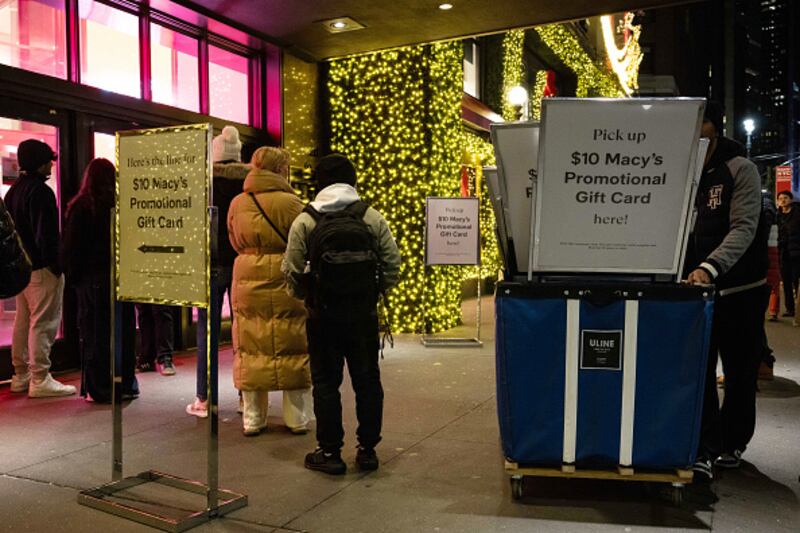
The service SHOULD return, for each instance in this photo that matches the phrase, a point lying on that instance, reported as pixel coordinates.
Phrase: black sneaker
(328, 462)
(787, 313)
(165, 367)
(703, 470)
(367, 459)
(145, 366)
(729, 460)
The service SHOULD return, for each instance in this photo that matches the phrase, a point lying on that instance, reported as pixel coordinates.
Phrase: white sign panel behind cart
(163, 183)
(517, 147)
(614, 184)
(452, 231)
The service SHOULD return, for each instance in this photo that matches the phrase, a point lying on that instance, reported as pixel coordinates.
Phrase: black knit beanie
(334, 168)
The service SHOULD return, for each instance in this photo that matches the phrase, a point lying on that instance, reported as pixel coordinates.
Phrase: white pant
(297, 404)
(36, 323)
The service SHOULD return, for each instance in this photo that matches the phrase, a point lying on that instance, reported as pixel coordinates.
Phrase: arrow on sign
(150, 249)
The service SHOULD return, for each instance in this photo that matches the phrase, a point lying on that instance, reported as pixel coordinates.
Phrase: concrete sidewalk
(442, 468)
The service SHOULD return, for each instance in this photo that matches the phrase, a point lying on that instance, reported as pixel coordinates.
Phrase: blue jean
(224, 280)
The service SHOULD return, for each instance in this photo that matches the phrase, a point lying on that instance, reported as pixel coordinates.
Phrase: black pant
(330, 345)
(790, 275)
(156, 326)
(224, 281)
(94, 327)
(736, 336)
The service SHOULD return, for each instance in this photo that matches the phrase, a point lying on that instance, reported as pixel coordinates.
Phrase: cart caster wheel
(516, 487)
(677, 494)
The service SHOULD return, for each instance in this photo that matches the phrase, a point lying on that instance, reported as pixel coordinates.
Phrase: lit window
(471, 69)
(174, 68)
(105, 145)
(229, 85)
(33, 36)
(109, 48)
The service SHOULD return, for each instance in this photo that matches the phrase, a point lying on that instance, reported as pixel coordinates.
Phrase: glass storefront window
(229, 85)
(175, 68)
(105, 146)
(13, 132)
(33, 36)
(109, 48)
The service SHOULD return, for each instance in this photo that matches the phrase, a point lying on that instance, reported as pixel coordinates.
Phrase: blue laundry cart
(601, 379)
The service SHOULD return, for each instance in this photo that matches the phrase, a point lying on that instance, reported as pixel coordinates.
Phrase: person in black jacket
(86, 257)
(229, 175)
(789, 249)
(727, 249)
(15, 265)
(33, 208)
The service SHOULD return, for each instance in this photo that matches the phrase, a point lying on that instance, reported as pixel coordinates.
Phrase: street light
(518, 97)
(749, 127)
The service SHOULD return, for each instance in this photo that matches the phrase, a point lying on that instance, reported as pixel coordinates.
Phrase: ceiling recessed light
(445, 7)
(340, 24)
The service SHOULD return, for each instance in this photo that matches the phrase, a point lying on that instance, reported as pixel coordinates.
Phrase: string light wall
(397, 115)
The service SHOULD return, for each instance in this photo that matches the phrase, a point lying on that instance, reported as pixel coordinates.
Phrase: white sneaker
(20, 383)
(198, 408)
(49, 387)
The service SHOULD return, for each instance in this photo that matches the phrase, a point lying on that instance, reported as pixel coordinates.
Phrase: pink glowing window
(105, 145)
(174, 67)
(33, 36)
(229, 85)
(109, 44)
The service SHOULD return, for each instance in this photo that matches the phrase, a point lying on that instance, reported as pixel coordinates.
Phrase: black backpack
(345, 271)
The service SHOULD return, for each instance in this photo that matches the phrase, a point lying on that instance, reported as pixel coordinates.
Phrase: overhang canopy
(295, 24)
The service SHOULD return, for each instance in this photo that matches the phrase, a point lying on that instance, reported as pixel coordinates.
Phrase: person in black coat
(33, 207)
(789, 248)
(86, 257)
(15, 265)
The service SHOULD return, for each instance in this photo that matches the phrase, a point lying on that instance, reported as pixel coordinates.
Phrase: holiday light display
(537, 94)
(397, 115)
(513, 73)
(593, 80)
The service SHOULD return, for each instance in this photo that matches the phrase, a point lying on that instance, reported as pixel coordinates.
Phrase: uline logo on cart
(601, 349)
(597, 343)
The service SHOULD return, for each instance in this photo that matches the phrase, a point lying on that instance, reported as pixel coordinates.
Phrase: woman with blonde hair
(269, 333)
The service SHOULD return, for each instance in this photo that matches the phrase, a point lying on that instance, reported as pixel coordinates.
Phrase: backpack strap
(316, 215)
(264, 214)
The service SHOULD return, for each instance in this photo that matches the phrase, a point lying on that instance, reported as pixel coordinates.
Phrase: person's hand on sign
(699, 276)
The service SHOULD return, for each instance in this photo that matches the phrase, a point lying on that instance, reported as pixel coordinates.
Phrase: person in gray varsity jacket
(728, 248)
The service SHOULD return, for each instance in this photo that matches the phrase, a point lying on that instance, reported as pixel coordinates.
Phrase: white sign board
(615, 184)
(516, 148)
(452, 231)
(163, 184)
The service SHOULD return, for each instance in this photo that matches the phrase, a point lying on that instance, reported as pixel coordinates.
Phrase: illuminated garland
(537, 94)
(592, 79)
(513, 70)
(480, 153)
(397, 115)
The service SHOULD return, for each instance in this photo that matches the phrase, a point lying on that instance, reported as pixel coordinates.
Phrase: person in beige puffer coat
(269, 334)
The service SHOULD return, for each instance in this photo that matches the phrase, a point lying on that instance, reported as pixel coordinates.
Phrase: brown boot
(765, 372)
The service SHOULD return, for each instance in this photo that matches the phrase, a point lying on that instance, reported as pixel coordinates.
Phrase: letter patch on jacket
(715, 196)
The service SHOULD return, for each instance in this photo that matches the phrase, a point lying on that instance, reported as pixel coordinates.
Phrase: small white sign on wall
(452, 231)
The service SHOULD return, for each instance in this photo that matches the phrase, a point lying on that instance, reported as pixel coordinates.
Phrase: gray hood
(335, 198)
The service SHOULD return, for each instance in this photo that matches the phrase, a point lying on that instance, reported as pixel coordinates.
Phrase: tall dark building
(743, 53)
